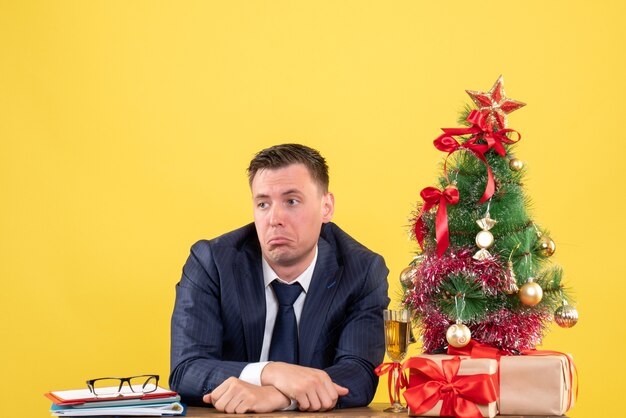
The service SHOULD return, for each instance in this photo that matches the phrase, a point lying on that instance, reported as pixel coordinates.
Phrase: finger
(319, 391)
(341, 391)
(314, 401)
(327, 394)
(326, 398)
(207, 398)
(232, 401)
(222, 402)
(303, 402)
(242, 408)
(219, 391)
(231, 407)
(219, 404)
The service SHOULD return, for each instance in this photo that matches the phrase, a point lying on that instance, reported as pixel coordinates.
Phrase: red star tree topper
(494, 104)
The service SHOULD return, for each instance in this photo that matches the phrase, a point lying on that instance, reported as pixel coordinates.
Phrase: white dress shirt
(252, 372)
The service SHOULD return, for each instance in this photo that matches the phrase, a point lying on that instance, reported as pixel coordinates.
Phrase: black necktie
(284, 346)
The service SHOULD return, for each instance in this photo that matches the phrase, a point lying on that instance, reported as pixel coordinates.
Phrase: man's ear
(328, 207)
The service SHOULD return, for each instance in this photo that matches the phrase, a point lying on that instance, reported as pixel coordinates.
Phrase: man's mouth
(278, 241)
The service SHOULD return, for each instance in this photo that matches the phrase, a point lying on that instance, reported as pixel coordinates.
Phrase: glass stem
(394, 382)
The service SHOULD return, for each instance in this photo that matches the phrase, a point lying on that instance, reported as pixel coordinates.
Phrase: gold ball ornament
(566, 316)
(547, 247)
(458, 335)
(516, 164)
(484, 239)
(407, 276)
(531, 293)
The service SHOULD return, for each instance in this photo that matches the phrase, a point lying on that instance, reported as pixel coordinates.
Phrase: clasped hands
(311, 388)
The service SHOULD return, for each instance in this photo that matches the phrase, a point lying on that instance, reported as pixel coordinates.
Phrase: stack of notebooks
(82, 403)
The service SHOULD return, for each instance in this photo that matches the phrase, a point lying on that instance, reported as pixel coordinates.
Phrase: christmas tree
(484, 271)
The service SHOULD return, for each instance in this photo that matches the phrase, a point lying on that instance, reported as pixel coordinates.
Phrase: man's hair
(283, 155)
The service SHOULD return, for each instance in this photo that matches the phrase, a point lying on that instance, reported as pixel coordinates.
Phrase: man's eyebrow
(285, 193)
(291, 191)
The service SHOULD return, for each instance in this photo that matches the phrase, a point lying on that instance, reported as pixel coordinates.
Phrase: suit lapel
(324, 284)
(251, 294)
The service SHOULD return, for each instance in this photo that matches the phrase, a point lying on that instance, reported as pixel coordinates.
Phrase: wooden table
(375, 410)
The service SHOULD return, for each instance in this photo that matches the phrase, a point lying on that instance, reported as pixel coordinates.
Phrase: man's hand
(311, 388)
(236, 396)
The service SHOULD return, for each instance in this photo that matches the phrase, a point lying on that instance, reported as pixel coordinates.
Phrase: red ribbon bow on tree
(484, 130)
(447, 143)
(401, 381)
(432, 197)
(481, 130)
(459, 394)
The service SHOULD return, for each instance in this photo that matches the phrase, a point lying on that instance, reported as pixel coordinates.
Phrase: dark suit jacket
(219, 315)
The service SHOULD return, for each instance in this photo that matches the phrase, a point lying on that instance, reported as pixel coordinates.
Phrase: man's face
(289, 210)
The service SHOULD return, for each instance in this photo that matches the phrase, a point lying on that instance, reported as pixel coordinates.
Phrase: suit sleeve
(361, 344)
(196, 365)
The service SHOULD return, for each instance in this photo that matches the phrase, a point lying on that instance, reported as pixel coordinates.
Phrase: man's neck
(290, 273)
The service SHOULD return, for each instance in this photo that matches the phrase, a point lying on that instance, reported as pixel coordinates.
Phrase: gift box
(536, 384)
(443, 385)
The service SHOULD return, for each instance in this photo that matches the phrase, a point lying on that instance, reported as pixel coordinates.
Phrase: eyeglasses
(114, 386)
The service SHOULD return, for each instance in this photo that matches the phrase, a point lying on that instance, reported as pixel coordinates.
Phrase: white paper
(174, 408)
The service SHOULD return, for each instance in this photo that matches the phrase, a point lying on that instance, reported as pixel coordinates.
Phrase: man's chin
(282, 260)
(281, 257)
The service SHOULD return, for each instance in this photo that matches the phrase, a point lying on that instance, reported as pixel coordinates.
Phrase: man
(238, 344)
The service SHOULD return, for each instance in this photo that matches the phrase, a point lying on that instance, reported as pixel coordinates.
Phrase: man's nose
(276, 215)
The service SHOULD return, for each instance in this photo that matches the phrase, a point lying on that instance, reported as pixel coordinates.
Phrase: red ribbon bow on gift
(459, 394)
(401, 381)
(475, 349)
(432, 197)
(481, 130)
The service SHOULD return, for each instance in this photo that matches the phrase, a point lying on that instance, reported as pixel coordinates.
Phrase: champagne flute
(397, 331)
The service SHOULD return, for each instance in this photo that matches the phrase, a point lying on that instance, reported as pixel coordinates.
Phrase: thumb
(341, 391)
(207, 398)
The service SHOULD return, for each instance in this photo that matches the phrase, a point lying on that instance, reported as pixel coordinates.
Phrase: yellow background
(125, 129)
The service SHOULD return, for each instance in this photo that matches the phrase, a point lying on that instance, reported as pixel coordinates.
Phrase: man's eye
(292, 202)
(262, 205)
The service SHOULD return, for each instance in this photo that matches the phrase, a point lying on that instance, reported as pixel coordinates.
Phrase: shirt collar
(304, 279)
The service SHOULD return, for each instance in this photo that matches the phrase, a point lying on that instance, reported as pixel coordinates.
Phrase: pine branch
(463, 114)
(463, 298)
